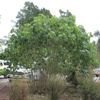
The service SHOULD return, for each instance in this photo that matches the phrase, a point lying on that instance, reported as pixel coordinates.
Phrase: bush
(90, 89)
(56, 86)
(18, 89)
(38, 86)
(53, 86)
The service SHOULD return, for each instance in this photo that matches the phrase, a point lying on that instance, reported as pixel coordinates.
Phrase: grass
(18, 90)
(38, 97)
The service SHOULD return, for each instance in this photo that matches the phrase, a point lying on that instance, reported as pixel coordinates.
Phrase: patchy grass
(38, 97)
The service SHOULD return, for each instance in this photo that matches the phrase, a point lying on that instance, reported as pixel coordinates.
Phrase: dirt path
(4, 89)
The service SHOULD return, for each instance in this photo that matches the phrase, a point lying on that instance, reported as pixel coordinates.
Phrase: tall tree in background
(97, 34)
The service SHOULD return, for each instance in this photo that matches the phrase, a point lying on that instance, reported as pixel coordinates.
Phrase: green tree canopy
(29, 11)
(56, 44)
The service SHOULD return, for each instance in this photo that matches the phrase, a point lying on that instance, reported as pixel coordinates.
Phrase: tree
(55, 44)
(25, 15)
(29, 12)
(97, 33)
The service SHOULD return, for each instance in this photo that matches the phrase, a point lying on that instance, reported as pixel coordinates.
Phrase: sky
(86, 11)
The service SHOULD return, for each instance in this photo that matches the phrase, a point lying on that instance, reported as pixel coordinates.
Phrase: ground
(4, 89)
(72, 92)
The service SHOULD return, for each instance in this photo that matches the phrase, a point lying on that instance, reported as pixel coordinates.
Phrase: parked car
(96, 74)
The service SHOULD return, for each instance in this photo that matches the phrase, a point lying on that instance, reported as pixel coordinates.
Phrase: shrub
(90, 89)
(18, 89)
(56, 86)
(38, 86)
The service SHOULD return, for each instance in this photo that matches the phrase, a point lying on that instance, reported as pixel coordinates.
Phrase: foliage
(4, 72)
(97, 34)
(1, 71)
(56, 86)
(29, 11)
(38, 86)
(56, 44)
(90, 89)
(3, 56)
(25, 16)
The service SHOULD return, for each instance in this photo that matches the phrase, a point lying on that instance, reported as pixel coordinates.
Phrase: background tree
(97, 35)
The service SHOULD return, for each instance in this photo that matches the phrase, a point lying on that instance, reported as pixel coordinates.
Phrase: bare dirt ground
(4, 89)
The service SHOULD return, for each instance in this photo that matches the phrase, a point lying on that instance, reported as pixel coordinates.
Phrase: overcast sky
(86, 11)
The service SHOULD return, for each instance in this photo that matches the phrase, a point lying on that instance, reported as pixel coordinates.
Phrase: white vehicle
(21, 71)
(96, 73)
(4, 64)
